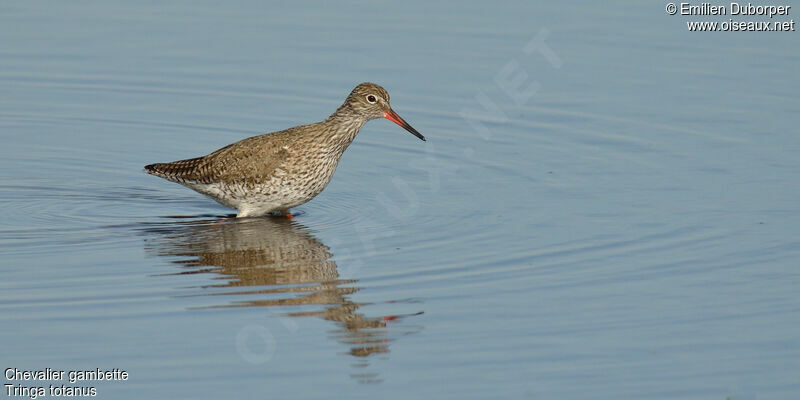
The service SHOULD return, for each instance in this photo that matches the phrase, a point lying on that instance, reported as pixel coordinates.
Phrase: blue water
(606, 206)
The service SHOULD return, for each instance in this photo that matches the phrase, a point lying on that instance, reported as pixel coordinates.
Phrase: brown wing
(250, 160)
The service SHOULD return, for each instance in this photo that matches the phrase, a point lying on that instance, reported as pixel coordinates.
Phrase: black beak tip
(414, 132)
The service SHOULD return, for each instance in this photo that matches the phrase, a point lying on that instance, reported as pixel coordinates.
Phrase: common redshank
(277, 171)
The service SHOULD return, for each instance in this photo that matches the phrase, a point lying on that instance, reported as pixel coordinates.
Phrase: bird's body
(281, 170)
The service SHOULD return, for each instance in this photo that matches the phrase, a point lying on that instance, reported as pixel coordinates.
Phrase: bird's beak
(392, 116)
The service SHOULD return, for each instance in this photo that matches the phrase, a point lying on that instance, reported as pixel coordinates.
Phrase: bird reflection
(272, 262)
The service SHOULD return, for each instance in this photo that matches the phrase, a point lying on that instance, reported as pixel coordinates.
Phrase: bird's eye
(371, 98)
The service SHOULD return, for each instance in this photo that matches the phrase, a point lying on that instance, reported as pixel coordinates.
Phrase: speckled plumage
(284, 169)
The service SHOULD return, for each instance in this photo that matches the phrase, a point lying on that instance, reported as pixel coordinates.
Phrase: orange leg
(287, 214)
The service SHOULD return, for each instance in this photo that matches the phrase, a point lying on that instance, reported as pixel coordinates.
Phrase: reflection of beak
(392, 116)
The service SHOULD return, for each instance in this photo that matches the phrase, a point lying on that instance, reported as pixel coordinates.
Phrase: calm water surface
(621, 224)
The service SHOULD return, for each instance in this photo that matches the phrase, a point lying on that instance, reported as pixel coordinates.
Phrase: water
(627, 227)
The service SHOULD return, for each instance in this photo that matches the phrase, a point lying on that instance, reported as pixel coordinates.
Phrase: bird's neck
(342, 127)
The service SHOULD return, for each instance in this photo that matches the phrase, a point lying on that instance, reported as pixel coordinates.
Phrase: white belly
(280, 193)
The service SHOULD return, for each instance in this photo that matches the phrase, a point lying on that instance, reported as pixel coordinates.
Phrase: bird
(275, 172)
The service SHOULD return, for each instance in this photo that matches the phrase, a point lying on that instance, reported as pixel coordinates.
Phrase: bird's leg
(286, 214)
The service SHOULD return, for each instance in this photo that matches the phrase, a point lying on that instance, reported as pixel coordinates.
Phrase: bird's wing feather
(251, 159)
